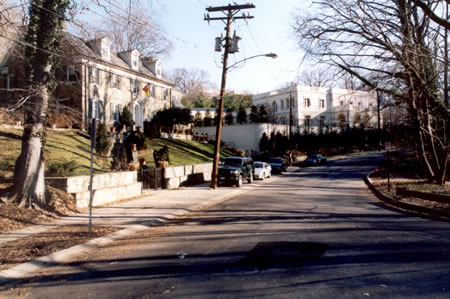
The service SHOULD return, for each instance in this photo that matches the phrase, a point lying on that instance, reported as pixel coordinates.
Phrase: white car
(262, 170)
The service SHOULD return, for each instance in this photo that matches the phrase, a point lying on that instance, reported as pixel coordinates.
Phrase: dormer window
(106, 49)
(134, 60)
(158, 68)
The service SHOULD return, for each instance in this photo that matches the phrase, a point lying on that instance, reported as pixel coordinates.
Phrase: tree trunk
(29, 183)
(29, 170)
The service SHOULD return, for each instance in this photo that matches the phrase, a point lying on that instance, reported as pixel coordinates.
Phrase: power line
(259, 49)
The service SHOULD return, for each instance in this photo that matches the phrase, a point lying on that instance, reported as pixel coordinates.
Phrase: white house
(320, 109)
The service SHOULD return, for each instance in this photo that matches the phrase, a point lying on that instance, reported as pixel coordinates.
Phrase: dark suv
(236, 169)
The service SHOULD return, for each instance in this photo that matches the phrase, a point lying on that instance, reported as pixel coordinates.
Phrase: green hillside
(70, 149)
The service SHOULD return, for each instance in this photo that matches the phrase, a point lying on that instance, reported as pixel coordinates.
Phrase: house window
(94, 75)
(3, 81)
(322, 103)
(153, 91)
(115, 112)
(165, 94)
(70, 75)
(8, 81)
(282, 104)
(370, 105)
(307, 102)
(342, 103)
(116, 81)
(134, 85)
(12, 81)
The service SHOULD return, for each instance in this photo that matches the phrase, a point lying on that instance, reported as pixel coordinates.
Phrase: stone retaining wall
(108, 187)
(187, 175)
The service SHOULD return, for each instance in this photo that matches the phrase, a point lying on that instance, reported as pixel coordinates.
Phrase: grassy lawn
(70, 150)
(182, 152)
(64, 148)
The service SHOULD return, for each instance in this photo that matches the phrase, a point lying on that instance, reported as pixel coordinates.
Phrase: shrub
(119, 160)
(61, 169)
(161, 155)
(102, 142)
(137, 138)
(240, 153)
(151, 129)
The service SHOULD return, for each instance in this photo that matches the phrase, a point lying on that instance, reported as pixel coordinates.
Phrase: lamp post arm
(271, 55)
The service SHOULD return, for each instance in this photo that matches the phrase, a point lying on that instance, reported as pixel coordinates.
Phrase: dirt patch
(13, 218)
(42, 244)
(401, 179)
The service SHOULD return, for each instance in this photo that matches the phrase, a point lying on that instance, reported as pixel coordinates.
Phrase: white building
(320, 109)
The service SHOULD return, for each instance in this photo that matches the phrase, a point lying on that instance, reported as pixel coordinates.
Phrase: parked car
(262, 170)
(278, 164)
(234, 170)
(316, 159)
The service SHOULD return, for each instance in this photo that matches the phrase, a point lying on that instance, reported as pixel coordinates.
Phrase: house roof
(83, 49)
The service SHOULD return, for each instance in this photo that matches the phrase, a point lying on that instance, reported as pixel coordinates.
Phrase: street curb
(23, 270)
(392, 202)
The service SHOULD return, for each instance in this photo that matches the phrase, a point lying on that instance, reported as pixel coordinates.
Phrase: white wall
(246, 137)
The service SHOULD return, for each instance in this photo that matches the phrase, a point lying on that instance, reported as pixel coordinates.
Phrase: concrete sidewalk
(151, 209)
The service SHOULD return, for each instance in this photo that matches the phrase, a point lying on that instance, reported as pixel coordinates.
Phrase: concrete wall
(177, 176)
(108, 187)
(176, 136)
(245, 136)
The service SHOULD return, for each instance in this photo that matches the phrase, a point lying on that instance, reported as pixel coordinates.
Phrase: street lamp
(271, 55)
(225, 68)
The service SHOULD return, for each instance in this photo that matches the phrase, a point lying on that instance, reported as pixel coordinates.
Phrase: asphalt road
(314, 233)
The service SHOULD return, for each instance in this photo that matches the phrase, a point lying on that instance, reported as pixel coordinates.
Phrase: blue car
(278, 164)
(316, 159)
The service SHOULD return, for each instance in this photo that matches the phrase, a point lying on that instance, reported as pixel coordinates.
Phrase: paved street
(312, 233)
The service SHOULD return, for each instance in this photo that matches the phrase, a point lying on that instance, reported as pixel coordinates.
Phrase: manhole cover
(265, 254)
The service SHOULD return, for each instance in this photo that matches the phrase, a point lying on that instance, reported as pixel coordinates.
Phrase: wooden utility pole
(290, 128)
(230, 11)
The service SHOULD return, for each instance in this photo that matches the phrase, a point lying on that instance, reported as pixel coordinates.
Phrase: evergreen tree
(264, 143)
(208, 121)
(229, 117)
(126, 118)
(263, 116)
(254, 116)
(198, 119)
(242, 116)
(102, 143)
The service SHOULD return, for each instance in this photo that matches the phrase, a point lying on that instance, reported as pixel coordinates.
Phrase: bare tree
(396, 48)
(316, 77)
(130, 27)
(41, 47)
(190, 81)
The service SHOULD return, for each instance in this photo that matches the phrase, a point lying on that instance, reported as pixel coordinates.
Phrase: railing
(151, 178)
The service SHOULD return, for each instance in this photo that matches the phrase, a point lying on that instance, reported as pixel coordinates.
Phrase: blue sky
(269, 31)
